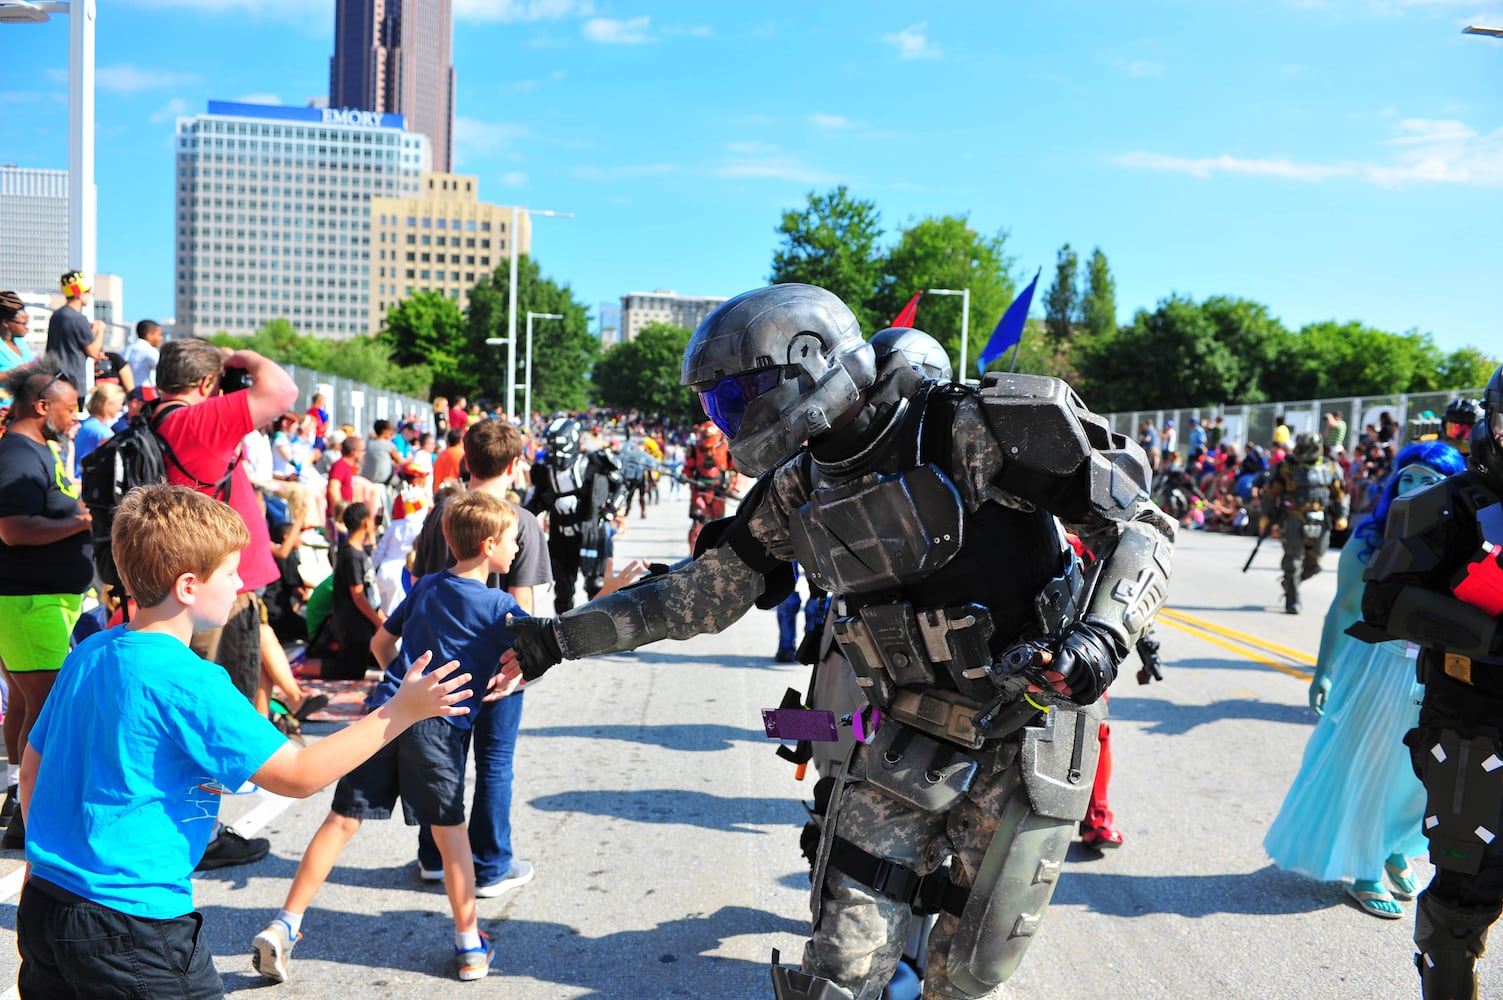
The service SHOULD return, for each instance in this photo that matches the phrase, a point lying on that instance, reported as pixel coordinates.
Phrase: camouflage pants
(859, 933)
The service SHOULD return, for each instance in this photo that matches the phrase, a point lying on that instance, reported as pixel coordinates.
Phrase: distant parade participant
(710, 474)
(580, 493)
(1438, 582)
(1303, 495)
(906, 498)
(1456, 426)
(1354, 810)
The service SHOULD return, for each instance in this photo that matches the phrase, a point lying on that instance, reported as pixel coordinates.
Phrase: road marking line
(1214, 640)
(1296, 655)
(251, 823)
(11, 884)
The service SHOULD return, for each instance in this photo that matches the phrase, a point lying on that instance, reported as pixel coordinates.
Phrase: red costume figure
(709, 472)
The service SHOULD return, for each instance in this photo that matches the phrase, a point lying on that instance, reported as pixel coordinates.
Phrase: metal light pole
(83, 236)
(965, 322)
(511, 306)
(527, 398)
(1477, 29)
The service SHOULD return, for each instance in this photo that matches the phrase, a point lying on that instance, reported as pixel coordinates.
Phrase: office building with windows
(273, 214)
(397, 56)
(663, 306)
(440, 240)
(34, 221)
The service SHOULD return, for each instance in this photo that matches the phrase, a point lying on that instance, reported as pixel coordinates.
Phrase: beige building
(441, 240)
(663, 306)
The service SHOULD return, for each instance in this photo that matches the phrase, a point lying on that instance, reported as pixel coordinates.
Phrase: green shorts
(35, 630)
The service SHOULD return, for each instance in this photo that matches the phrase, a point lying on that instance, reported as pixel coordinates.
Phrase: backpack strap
(221, 489)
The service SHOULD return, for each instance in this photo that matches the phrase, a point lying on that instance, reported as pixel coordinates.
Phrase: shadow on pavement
(1265, 892)
(648, 654)
(671, 805)
(1166, 718)
(695, 738)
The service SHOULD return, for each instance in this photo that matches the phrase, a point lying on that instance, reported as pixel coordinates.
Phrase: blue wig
(1437, 455)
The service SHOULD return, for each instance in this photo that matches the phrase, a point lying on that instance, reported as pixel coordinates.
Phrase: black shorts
(424, 767)
(71, 947)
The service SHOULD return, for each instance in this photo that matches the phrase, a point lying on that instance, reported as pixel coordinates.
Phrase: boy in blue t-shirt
(456, 615)
(122, 773)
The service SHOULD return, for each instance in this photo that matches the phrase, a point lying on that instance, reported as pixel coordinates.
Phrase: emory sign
(352, 116)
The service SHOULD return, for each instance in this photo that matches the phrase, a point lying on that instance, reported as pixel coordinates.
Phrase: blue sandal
(1375, 901)
(1402, 879)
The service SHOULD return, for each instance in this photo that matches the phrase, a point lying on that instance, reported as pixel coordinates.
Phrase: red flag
(905, 318)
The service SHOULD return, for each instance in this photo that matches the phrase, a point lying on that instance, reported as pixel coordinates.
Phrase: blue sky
(1334, 160)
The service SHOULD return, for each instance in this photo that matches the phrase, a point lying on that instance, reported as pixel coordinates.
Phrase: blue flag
(1009, 329)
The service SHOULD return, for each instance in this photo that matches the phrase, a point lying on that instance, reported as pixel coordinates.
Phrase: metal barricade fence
(1254, 422)
(356, 403)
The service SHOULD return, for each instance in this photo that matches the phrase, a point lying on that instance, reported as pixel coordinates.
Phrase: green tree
(1466, 368)
(1098, 306)
(832, 243)
(643, 374)
(428, 329)
(945, 252)
(1259, 344)
(364, 359)
(1171, 356)
(1062, 301)
(564, 350)
(1351, 359)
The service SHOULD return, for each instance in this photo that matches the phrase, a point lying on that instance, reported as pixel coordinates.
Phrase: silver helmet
(562, 439)
(1307, 446)
(775, 367)
(922, 351)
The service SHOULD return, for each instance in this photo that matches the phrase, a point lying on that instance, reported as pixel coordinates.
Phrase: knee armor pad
(1449, 941)
(791, 984)
(1013, 887)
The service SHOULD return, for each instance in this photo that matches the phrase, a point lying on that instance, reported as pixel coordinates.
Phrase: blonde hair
(471, 518)
(161, 532)
(104, 392)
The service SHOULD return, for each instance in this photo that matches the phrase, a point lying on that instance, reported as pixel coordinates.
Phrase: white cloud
(473, 137)
(830, 121)
(319, 17)
(697, 31)
(777, 168)
(593, 173)
(1427, 152)
(260, 98)
(751, 148)
(125, 78)
(521, 10)
(171, 111)
(513, 178)
(1143, 68)
(912, 43)
(614, 31)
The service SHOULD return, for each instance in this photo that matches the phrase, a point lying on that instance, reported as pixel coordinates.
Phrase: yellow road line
(1213, 639)
(1296, 655)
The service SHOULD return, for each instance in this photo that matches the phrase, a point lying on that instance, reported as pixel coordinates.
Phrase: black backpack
(137, 456)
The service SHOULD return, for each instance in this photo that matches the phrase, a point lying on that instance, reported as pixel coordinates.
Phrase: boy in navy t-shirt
(456, 615)
(122, 772)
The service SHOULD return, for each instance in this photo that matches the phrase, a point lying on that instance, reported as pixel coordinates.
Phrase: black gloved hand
(536, 647)
(1087, 656)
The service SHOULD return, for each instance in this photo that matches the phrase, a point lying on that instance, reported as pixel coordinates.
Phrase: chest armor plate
(1312, 484)
(879, 531)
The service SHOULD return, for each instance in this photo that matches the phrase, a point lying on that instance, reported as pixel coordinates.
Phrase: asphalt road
(665, 832)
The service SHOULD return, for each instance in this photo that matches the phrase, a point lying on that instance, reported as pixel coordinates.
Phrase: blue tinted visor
(726, 401)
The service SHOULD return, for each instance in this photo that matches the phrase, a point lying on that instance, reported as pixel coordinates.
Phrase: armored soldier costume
(1437, 582)
(709, 472)
(1304, 494)
(1456, 426)
(906, 502)
(581, 493)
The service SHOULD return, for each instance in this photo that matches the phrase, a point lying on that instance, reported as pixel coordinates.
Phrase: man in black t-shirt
(70, 334)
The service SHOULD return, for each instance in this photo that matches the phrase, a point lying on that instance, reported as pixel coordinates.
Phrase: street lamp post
(527, 398)
(511, 306)
(83, 245)
(965, 321)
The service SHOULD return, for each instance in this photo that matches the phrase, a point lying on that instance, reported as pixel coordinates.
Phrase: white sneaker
(518, 875)
(430, 874)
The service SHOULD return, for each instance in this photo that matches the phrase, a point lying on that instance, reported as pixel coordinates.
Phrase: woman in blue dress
(1355, 808)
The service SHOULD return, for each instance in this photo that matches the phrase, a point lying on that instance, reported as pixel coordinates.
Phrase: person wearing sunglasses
(932, 512)
(46, 561)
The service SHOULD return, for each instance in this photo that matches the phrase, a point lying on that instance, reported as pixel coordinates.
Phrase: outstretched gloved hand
(1087, 658)
(535, 650)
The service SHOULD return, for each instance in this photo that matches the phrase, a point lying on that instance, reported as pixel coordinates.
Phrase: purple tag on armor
(791, 724)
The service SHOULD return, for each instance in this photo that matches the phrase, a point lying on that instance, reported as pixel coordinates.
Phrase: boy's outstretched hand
(423, 696)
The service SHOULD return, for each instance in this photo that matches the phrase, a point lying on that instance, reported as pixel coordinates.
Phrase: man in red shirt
(342, 473)
(201, 430)
(446, 465)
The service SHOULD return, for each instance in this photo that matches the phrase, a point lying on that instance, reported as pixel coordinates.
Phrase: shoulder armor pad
(1406, 548)
(1042, 426)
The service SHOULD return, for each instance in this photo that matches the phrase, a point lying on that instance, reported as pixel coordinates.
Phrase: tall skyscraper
(273, 214)
(396, 56)
(34, 221)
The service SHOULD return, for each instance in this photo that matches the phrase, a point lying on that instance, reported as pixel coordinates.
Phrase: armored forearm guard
(1437, 621)
(1133, 579)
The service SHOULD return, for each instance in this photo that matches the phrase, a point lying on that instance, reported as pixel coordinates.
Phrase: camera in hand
(234, 379)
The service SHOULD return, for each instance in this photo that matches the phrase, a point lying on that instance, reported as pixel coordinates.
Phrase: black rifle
(1261, 536)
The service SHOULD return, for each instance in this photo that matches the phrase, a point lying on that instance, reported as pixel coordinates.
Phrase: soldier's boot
(1291, 596)
(792, 984)
(1450, 941)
